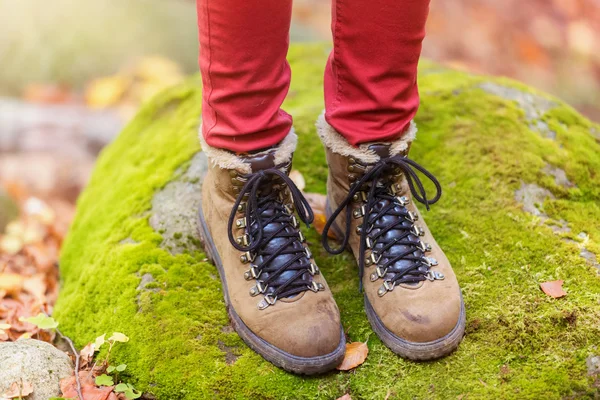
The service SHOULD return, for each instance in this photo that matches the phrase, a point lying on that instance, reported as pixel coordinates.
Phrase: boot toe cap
(424, 321)
(303, 330)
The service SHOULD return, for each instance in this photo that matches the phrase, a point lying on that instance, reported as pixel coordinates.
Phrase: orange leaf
(88, 388)
(553, 289)
(18, 390)
(11, 283)
(356, 354)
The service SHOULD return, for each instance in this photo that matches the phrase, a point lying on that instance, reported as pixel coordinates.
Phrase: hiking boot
(411, 295)
(276, 297)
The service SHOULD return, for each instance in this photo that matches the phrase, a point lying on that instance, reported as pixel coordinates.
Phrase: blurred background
(74, 71)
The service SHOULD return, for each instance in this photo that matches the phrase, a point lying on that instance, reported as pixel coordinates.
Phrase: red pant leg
(243, 48)
(370, 79)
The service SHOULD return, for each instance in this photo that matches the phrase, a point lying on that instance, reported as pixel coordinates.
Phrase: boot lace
(272, 243)
(388, 228)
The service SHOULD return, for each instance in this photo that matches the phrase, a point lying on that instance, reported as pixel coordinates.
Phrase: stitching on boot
(228, 160)
(338, 144)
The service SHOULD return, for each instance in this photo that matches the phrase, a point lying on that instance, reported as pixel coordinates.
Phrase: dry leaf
(356, 354)
(298, 179)
(553, 289)
(345, 397)
(12, 284)
(105, 92)
(47, 93)
(88, 388)
(18, 390)
(87, 354)
(10, 245)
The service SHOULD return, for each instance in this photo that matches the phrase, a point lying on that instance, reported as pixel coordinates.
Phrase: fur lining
(338, 144)
(229, 160)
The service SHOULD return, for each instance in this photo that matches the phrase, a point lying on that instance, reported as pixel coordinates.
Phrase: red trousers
(370, 78)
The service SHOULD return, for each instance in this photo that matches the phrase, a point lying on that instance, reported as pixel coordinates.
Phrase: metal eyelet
(268, 300)
(243, 240)
(295, 223)
(252, 273)
(379, 273)
(308, 253)
(247, 257)
(360, 196)
(369, 242)
(387, 286)
(434, 276)
(315, 287)
(359, 212)
(313, 269)
(240, 223)
(372, 259)
(241, 207)
(301, 237)
(412, 217)
(417, 230)
(430, 261)
(403, 200)
(358, 230)
(258, 289)
(425, 247)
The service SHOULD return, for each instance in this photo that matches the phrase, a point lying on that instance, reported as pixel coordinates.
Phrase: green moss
(520, 343)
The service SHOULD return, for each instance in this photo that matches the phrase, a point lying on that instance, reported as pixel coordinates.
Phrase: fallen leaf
(553, 289)
(12, 284)
(89, 389)
(345, 397)
(105, 92)
(298, 179)
(47, 93)
(87, 354)
(10, 245)
(18, 390)
(356, 354)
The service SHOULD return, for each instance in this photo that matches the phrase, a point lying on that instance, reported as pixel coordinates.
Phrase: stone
(132, 262)
(36, 362)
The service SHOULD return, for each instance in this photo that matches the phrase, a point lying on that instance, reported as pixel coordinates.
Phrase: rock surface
(35, 362)
(131, 262)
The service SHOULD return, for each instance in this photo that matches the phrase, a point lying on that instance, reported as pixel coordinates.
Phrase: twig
(77, 357)
(77, 361)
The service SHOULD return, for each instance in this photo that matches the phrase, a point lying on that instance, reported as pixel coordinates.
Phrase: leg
(243, 48)
(277, 299)
(412, 296)
(370, 80)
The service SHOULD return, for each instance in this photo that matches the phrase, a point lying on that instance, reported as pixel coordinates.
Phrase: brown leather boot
(276, 297)
(412, 297)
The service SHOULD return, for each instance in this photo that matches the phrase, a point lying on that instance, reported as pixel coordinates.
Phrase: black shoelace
(274, 241)
(399, 256)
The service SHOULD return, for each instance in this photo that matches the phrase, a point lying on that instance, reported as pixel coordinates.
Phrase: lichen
(520, 343)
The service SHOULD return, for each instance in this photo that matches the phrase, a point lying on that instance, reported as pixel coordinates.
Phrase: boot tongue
(261, 161)
(381, 149)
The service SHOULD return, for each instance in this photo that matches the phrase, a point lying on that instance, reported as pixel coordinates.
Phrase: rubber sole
(273, 354)
(417, 351)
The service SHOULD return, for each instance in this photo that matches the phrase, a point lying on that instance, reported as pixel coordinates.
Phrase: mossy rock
(521, 177)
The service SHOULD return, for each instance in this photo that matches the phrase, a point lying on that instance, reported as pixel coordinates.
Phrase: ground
(521, 178)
